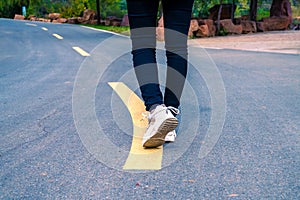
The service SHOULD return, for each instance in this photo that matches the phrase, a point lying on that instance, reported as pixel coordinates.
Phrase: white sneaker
(161, 122)
(170, 137)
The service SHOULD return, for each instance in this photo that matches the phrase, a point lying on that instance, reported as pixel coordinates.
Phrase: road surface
(42, 155)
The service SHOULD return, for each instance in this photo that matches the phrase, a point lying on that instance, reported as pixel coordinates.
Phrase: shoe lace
(145, 115)
(173, 110)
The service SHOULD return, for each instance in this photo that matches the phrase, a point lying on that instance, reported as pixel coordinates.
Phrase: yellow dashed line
(81, 51)
(58, 36)
(138, 158)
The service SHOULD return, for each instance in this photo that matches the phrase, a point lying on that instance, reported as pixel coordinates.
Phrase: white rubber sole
(158, 138)
(170, 138)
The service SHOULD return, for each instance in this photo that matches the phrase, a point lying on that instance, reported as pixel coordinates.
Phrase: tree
(9, 8)
(98, 11)
(219, 17)
(280, 8)
(201, 7)
(111, 7)
(253, 10)
(68, 8)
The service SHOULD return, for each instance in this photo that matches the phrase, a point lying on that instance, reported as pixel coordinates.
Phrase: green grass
(117, 29)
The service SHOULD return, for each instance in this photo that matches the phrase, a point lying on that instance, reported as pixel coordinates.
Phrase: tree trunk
(219, 17)
(253, 10)
(232, 10)
(276, 8)
(281, 8)
(98, 11)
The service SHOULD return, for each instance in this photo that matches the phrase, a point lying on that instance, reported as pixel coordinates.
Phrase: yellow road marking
(138, 158)
(44, 28)
(81, 51)
(58, 36)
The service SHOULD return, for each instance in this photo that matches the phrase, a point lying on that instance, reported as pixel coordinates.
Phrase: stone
(80, 20)
(225, 14)
(125, 20)
(116, 22)
(88, 15)
(62, 20)
(32, 18)
(194, 26)
(106, 22)
(95, 21)
(43, 20)
(239, 20)
(54, 16)
(211, 27)
(112, 21)
(249, 26)
(73, 20)
(19, 17)
(230, 28)
(160, 33)
(203, 31)
(260, 27)
(160, 22)
(276, 23)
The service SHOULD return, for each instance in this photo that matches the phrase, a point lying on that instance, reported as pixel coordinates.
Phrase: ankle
(153, 107)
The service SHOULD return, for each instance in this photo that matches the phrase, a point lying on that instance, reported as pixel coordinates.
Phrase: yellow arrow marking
(138, 158)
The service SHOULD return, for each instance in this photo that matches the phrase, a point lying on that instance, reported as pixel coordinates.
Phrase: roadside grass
(124, 30)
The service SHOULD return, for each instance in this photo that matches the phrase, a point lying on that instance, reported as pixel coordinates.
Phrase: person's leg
(177, 16)
(142, 19)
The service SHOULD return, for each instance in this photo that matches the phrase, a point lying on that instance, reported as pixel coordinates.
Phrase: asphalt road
(42, 155)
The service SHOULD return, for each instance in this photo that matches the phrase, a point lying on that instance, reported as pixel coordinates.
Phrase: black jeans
(143, 20)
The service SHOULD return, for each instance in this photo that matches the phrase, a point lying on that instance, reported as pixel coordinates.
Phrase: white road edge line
(81, 51)
(57, 36)
(44, 28)
(105, 31)
(29, 24)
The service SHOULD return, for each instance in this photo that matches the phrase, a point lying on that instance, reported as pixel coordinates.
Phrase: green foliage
(201, 8)
(68, 8)
(242, 8)
(112, 8)
(41, 8)
(74, 8)
(8, 8)
(296, 10)
(262, 13)
(223, 31)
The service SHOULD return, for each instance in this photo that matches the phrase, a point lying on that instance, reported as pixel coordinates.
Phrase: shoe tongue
(153, 107)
